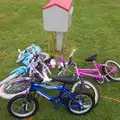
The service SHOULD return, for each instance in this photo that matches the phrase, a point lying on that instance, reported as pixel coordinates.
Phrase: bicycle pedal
(56, 106)
(108, 80)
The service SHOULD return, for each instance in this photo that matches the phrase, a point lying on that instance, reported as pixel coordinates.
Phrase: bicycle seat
(91, 58)
(65, 79)
(48, 60)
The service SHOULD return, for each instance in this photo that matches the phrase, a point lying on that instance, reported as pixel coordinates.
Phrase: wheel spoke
(115, 75)
(16, 87)
(84, 101)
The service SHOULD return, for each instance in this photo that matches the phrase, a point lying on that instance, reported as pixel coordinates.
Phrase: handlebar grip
(72, 53)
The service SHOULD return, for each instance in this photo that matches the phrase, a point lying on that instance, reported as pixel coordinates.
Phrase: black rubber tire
(97, 88)
(91, 90)
(109, 76)
(92, 98)
(22, 96)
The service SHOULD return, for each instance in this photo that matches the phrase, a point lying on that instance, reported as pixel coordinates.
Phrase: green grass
(95, 29)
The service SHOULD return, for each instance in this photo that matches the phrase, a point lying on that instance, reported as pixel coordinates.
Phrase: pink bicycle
(111, 70)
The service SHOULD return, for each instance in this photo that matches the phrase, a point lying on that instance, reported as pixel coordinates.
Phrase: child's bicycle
(26, 105)
(23, 83)
(24, 57)
(20, 84)
(110, 67)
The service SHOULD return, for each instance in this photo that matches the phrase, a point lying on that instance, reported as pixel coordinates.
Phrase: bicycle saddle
(65, 79)
(91, 58)
(48, 60)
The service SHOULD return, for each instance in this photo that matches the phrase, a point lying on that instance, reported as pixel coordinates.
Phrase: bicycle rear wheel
(17, 86)
(114, 75)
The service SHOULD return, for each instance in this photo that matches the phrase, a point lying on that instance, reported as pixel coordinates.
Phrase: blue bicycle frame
(62, 89)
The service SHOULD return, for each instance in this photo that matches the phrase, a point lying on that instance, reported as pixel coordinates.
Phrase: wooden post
(49, 44)
(53, 40)
(51, 36)
(59, 43)
(30, 118)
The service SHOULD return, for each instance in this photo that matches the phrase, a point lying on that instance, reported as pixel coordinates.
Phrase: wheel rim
(115, 74)
(83, 100)
(16, 87)
(22, 108)
(91, 88)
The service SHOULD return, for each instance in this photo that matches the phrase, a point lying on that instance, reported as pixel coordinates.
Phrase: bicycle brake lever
(49, 71)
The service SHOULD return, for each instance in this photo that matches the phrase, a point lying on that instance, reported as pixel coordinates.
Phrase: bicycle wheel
(8, 79)
(89, 86)
(17, 86)
(86, 103)
(116, 74)
(22, 107)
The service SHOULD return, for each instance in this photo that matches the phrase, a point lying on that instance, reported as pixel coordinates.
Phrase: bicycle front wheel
(22, 107)
(85, 101)
(115, 75)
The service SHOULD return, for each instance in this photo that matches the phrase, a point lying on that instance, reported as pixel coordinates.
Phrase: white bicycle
(16, 75)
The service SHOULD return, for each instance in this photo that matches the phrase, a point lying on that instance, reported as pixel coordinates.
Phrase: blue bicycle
(26, 105)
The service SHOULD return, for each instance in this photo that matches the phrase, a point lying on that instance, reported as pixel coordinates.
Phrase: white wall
(55, 19)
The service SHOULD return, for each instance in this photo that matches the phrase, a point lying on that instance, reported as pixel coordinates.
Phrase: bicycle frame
(62, 89)
(89, 72)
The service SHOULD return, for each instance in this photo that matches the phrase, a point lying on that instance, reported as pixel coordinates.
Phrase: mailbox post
(57, 17)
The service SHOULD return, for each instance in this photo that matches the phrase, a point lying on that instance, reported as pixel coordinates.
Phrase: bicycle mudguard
(19, 71)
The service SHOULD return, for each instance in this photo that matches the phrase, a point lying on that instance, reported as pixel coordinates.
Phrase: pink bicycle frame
(88, 72)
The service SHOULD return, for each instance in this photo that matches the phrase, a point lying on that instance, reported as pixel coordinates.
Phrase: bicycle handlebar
(44, 65)
(70, 57)
(72, 53)
(70, 62)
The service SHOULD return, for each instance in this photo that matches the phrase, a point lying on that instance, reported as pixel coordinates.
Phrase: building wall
(56, 19)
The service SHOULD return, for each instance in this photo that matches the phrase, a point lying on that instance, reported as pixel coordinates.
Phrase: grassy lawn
(95, 29)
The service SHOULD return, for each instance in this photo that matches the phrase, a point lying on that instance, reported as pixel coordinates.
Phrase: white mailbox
(57, 15)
